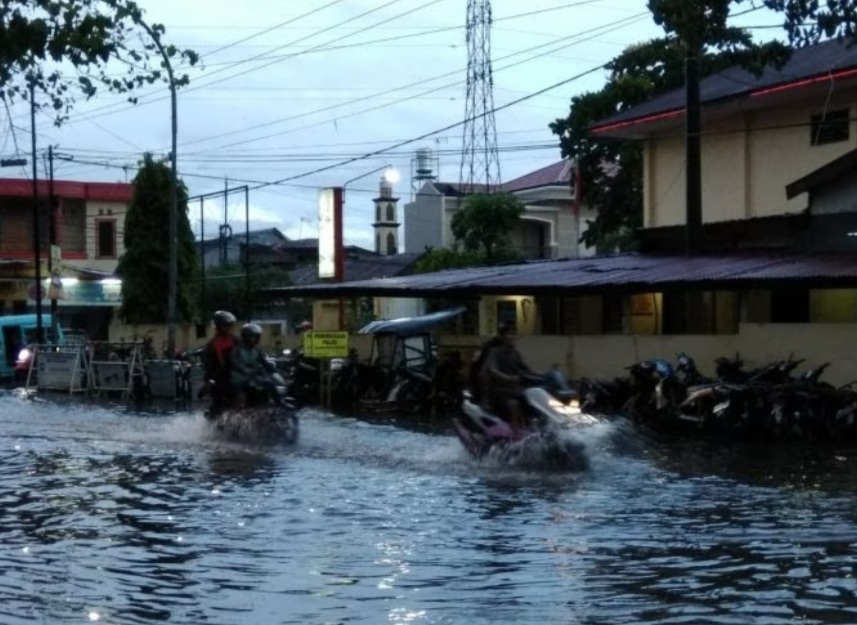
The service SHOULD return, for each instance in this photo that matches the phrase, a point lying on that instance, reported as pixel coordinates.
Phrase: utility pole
(247, 298)
(693, 169)
(37, 239)
(55, 255)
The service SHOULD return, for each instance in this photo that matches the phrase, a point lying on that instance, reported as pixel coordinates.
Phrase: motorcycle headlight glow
(573, 408)
(24, 354)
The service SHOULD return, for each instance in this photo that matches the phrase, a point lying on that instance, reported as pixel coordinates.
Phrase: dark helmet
(251, 330)
(224, 318)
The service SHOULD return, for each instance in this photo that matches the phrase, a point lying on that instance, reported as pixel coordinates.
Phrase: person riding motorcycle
(250, 366)
(501, 373)
(216, 362)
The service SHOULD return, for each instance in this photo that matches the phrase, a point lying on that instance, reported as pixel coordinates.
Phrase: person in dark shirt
(249, 366)
(216, 362)
(501, 372)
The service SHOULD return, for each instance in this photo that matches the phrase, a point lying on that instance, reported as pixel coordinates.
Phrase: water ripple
(111, 516)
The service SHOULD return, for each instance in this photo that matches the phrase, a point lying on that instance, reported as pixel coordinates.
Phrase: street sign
(325, 344)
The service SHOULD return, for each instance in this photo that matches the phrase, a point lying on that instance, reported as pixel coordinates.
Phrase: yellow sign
(325, 344)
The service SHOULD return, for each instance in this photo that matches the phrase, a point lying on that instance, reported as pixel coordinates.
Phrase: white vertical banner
(326, 234)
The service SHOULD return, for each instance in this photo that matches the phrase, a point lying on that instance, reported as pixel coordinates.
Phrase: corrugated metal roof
(359, 269)
(816, 60)
(623, 272)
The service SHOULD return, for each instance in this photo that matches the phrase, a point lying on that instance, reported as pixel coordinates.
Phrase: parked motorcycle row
(771, 402)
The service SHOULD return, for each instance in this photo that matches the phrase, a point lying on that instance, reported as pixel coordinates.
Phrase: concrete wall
(606, 356)
(423, 225)
(747, 161)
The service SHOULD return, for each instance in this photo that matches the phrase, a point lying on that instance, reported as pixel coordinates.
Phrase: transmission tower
(480, 162)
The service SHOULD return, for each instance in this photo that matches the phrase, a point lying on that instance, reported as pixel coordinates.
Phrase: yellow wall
(833, 306)
(646, 317)
(325, 315)
(525, 311)
(747, 161)
(606, 356)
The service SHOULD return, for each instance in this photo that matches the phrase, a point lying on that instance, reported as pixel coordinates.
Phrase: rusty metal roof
(629, 273)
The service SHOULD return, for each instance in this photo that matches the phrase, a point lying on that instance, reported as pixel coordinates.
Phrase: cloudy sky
(287, 88)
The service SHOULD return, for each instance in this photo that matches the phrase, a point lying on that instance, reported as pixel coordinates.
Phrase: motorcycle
(544, 444)
(268, 416)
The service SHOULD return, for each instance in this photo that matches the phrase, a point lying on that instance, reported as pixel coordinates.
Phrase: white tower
(386, 220)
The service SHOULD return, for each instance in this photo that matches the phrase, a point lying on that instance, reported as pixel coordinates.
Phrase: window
(72, 230)
(391, 243)
(790, 305)
(830, 127)
(391, 213)
(106, 242)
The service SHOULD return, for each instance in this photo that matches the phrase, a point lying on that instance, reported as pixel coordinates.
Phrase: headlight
(573, 408)
(24, 354)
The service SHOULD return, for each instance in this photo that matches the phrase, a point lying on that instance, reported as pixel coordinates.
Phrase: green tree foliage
(107, 42)
(227, 288)
(144, 265)
(611, 172)
(481, 229)
(484, 222)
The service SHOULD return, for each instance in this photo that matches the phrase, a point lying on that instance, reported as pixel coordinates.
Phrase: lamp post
(172, 277)
(37, 240)
(391, 175)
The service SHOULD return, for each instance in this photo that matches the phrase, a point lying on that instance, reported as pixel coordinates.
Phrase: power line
(604, 29)
(265, 31)
(433, 132)
(262, 57)
(319, 48)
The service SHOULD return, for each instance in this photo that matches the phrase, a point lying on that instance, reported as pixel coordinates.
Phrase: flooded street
(113, 516)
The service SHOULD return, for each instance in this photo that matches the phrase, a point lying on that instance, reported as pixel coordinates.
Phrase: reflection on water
(111, 516)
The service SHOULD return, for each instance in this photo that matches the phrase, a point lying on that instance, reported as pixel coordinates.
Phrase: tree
(485, 221)
(41, 38)
(611, 173)
(481, 230)
(143, 267)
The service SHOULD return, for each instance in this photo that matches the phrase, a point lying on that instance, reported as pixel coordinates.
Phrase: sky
(285, 88)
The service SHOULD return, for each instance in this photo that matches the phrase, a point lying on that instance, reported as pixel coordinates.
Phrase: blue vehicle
(17, 337)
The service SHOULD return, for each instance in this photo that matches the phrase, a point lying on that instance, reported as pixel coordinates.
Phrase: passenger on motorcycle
(216, 362)
(501, 374)
(250, 366)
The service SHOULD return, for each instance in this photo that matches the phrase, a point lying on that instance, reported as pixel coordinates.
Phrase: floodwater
(117, 517)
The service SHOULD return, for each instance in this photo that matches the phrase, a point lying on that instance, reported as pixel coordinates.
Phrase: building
(779, 272)
(550, 227)
(759, 135)
(386, 224)
(768, 143)
(227, 248)
(89, 220)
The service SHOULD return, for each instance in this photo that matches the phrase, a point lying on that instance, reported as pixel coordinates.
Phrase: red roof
(69, 189)
(558, 174)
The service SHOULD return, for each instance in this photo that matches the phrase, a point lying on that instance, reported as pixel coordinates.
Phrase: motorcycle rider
(501, 373)
(249, 365)
(216, 362)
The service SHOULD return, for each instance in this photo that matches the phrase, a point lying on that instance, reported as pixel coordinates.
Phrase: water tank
(424, 163)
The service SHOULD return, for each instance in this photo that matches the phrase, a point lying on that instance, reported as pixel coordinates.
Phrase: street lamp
(172, 277)
(391, 175)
